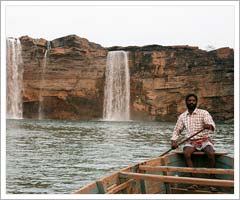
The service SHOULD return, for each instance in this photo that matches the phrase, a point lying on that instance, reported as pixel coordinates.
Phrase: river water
(58, 157)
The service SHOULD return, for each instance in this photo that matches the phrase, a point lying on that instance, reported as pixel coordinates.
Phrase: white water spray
(117, 87)
(14, 79)
(44, 66)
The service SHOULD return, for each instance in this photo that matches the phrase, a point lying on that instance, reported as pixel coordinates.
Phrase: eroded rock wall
(161, 76)
(71, 84)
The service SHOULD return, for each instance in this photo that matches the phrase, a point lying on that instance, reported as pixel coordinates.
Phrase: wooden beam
(173, 179)
(186, 169)
(120, 187)
(111, 187)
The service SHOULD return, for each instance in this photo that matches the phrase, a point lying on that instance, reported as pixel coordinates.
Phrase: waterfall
(117, 87)
(44, 66)
(14, 79)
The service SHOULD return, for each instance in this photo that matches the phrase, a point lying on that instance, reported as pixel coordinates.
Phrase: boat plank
(111, 187)
(120, 187)
(153, 187)
(173, 179)
(186, 191)
(109, 181)
(202, 153)
(186, 169)
(134, 188)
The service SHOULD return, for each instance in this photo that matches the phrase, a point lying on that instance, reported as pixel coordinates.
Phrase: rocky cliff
(72, 83)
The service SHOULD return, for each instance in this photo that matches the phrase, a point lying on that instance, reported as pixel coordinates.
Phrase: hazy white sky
(126, 25)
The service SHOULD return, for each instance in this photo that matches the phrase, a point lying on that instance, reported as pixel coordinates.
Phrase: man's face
(191, 103)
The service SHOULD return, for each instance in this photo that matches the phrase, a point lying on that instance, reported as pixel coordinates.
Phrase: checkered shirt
(193, 123)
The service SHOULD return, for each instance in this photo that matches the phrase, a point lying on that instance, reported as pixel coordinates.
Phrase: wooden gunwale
(86, 189)
(173, 179)
(186, 169)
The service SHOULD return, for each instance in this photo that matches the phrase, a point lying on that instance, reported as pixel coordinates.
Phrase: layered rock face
(163, 76)
(72, 85)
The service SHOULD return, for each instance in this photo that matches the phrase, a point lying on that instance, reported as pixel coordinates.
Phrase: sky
(126, 25)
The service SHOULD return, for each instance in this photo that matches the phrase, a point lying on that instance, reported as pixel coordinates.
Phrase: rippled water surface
(57, 157)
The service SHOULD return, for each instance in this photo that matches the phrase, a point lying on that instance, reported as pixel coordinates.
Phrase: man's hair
(191, 95)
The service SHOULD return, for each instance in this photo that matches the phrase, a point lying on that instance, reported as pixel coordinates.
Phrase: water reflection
(53, 157)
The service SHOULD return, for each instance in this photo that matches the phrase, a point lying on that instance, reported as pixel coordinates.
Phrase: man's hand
(208, 126)
(174, 144)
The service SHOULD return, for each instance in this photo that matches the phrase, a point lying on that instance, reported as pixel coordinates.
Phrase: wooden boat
(168, 175)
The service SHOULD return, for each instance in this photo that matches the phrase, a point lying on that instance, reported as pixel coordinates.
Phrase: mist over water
(58, 157)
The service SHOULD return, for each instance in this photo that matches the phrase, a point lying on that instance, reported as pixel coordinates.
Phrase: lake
(58, 157)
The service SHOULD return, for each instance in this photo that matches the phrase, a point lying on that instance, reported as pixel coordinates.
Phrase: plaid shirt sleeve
(178, 128)
(208, 119)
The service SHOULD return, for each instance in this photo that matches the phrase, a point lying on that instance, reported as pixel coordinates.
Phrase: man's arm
(208, 122)
(208, 126)
(176, 132)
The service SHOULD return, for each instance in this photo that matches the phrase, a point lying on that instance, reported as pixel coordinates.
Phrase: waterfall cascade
(117, 87)
(43, 72)
(14, 79)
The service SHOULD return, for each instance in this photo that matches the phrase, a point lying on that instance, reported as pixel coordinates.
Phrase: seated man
(193, 120)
